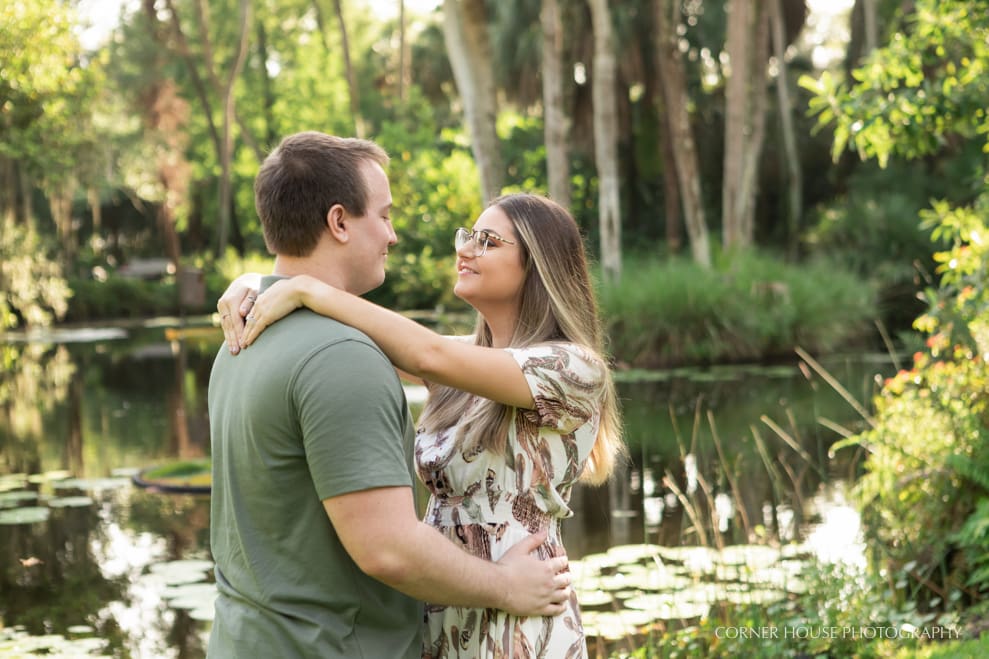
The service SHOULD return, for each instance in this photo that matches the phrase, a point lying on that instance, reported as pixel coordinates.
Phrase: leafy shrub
(926, 473)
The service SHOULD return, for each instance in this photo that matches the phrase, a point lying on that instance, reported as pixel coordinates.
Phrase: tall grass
(749, 307)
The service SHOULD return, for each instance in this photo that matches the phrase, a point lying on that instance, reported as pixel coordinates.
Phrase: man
(318, 549)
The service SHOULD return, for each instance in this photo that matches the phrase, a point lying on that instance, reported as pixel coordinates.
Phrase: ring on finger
(250, 317)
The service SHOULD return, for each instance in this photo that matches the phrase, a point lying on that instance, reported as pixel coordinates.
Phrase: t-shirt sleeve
(566, 381)
(354, 420)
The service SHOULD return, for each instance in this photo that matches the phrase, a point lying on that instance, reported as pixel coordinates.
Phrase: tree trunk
(8, 192)
(671, 191)
(606, 140)
(871, 27)
(469, 49)
(794, 183)
(555, 123)
(403, 73)
(228, 119)
(60, 194)
(673, 82)
(355, 97)
(267, 94)
(744, 119)
(165, 113)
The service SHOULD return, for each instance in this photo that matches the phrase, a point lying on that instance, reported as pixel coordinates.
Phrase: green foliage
(436, 189)
(924, 95)
(842, 612)
(874, 228)
(45, 94)
(33, 291)
(121, 297)
(748, 307)
(974, 533)
(928, 85)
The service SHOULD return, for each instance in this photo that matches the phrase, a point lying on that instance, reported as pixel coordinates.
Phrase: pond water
(722, 458)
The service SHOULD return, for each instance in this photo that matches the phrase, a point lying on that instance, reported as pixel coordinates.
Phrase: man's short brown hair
(302, 179)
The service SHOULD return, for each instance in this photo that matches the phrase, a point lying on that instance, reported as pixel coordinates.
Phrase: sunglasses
(482, 239)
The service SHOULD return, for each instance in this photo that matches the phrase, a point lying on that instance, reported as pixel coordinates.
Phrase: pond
(724, 461)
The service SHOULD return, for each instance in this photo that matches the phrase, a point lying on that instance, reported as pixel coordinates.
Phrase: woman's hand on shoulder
(278, 300)
(234, 305)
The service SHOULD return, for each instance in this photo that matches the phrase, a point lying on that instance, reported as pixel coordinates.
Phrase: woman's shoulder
(559, 348)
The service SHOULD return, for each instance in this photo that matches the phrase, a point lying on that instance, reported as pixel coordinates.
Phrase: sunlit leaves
(44, 90)
(911, 97)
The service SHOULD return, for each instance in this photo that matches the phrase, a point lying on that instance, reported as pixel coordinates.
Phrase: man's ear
(337, 223)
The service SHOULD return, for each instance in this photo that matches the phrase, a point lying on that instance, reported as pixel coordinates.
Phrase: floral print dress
(486, 502)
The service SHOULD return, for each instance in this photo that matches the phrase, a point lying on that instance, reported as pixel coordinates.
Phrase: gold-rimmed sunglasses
(481, 238)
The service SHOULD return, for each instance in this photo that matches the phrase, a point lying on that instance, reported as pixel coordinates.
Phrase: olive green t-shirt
(312, 410)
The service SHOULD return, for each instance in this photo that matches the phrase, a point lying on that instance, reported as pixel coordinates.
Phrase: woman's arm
(487, 372)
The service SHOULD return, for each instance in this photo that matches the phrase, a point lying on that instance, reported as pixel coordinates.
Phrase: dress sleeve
(566, 381)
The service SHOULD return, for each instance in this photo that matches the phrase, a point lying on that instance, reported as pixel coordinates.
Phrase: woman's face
(492, 280)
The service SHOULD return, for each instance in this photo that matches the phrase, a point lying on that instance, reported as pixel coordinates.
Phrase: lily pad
(753, 596)
(753, 556)
(10, 482)
(668, 607)
(190, 590)
(70, 502)
(49, 476)
(615, 625)
(183, 476)
(91, 484)
(634, 553)
(29, 515)
(594, 598)
(15, 498)
(203, 613)
(175, 573)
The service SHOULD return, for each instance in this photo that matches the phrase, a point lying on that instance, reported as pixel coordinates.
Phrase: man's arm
(381, 532)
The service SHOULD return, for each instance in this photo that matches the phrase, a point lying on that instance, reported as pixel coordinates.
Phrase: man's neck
(289, 266)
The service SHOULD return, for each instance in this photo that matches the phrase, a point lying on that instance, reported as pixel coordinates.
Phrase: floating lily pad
(91, 484)
(30, 515)
(187, 564)
(634, 553)
(175, 573)
(668, 607)
(191, 603)
(18, 643)
(595, 563)
(15, 498)
(183, 476)
(594, 598)
(80, 629)
(203, 613)
(751, 555)
(49, 476)
(189, 590)
(654, 578)
(753, 596)
(70, 502)
(10, 482)
(615, 625)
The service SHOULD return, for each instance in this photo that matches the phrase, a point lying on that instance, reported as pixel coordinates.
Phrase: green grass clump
(749, 307)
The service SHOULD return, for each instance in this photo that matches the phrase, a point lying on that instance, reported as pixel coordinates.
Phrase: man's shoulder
(313, 335)
(312, 329)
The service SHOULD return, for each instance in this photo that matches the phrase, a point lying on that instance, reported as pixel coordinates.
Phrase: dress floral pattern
(486, 502)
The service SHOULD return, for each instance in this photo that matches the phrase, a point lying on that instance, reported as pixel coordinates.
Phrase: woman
(516, 414)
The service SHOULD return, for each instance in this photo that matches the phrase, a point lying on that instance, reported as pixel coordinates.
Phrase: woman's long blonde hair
(557, 304)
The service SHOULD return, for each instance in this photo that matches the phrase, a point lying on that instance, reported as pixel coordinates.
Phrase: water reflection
(708, 469)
